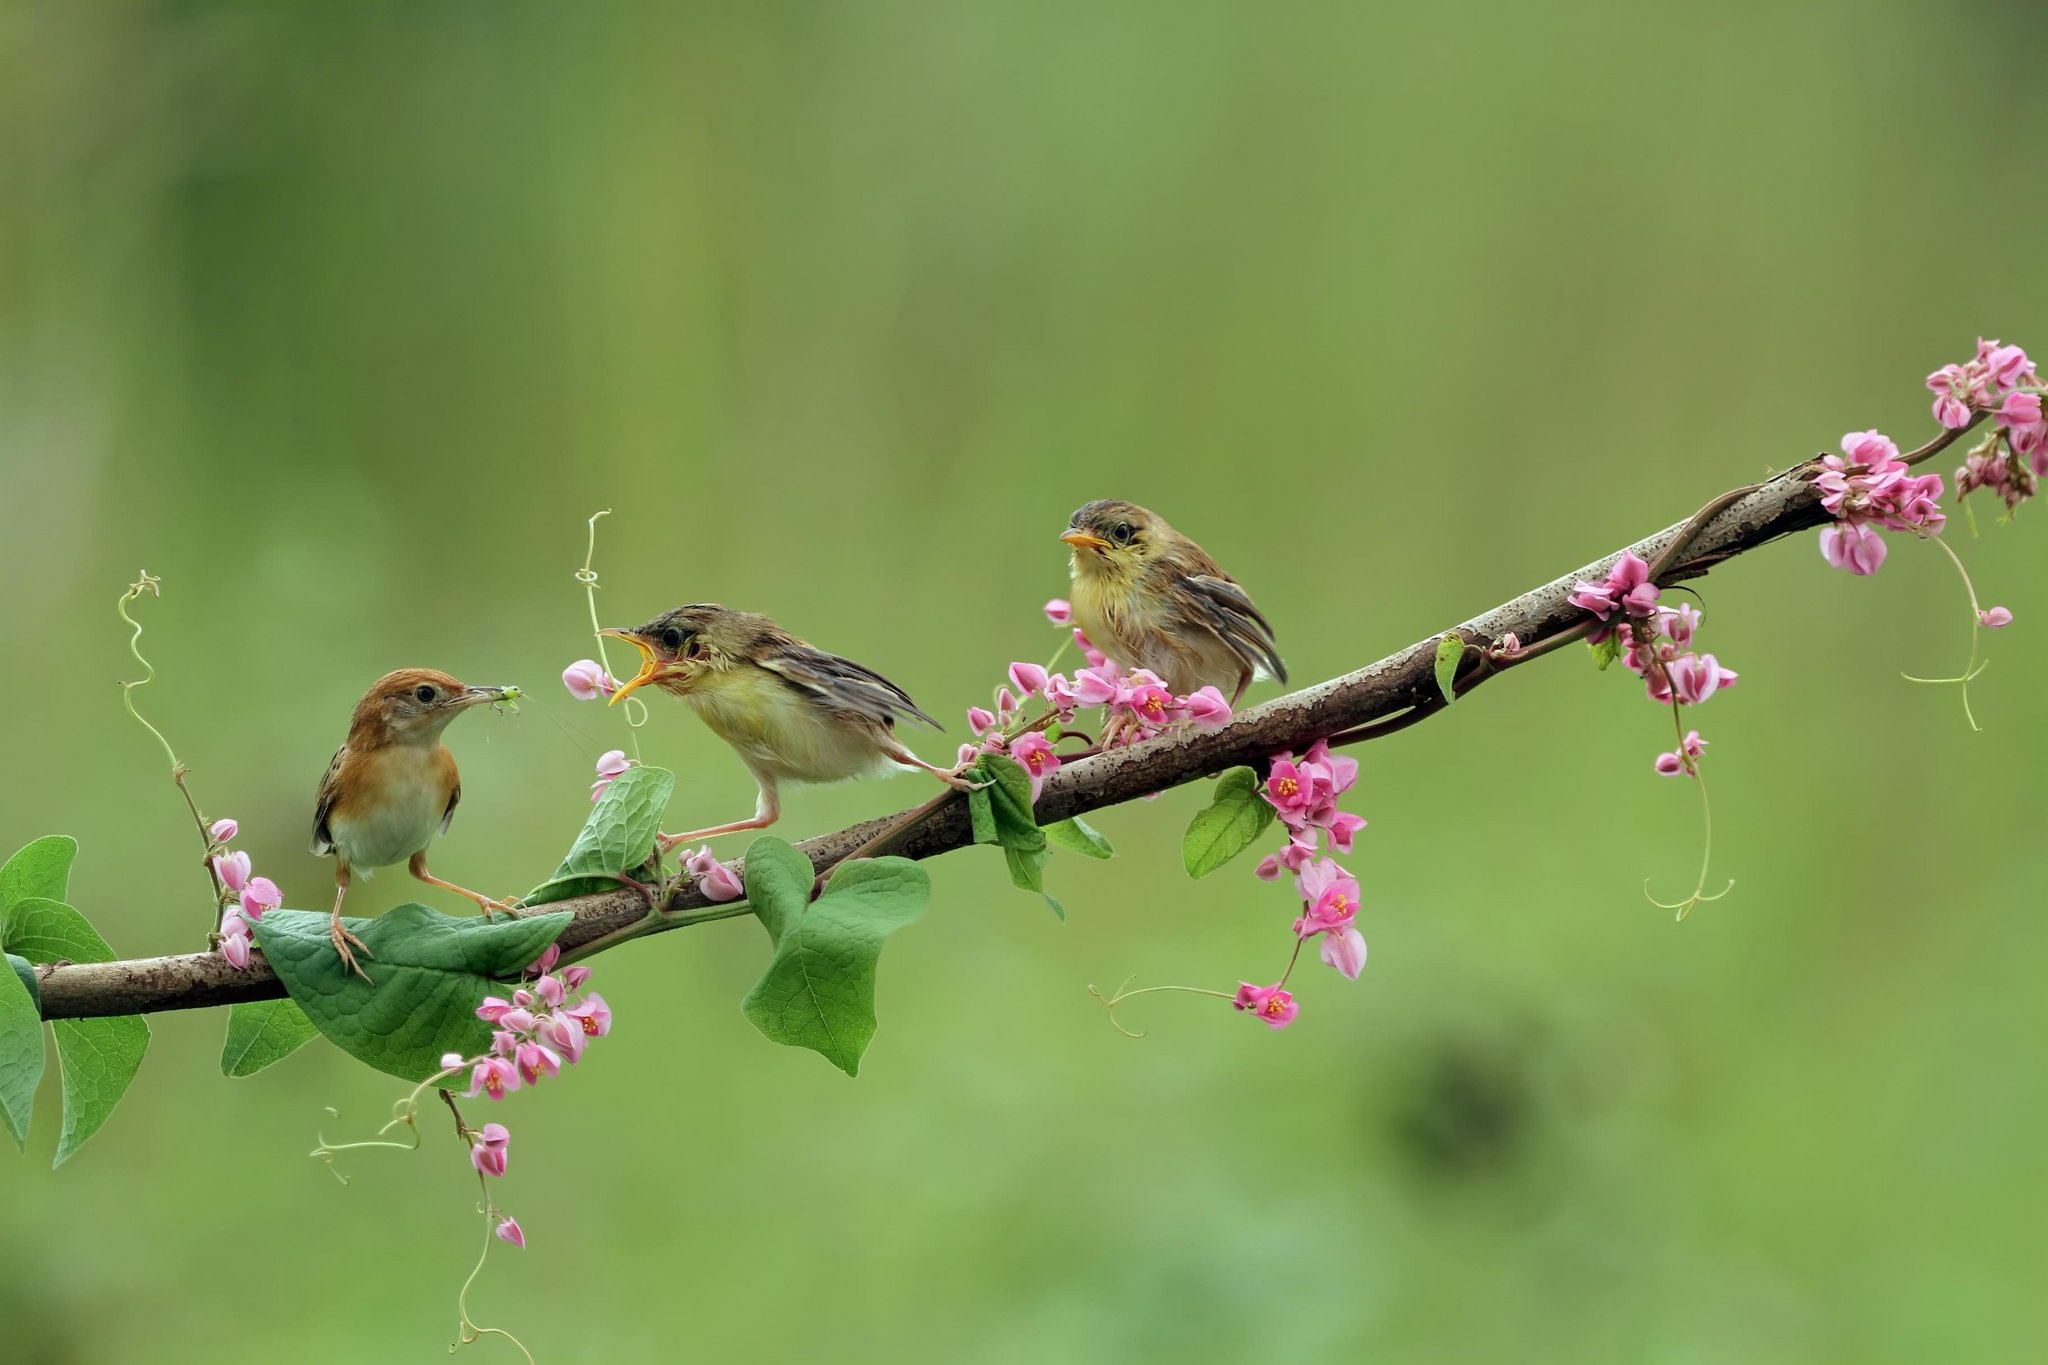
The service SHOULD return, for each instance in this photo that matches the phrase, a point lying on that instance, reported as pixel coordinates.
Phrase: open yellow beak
(1081, 540)
(650, 667)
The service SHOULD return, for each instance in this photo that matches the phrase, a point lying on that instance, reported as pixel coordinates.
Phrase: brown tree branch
(1376, 700)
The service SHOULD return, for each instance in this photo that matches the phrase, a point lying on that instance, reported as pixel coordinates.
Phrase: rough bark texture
(1401, 683)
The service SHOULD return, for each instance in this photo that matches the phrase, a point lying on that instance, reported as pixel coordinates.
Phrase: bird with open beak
(791, 712)
(393, 785)
(1151, 598)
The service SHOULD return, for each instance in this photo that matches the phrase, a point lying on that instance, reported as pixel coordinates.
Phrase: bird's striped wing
(1227, 610)
(323, 802)
(844, 685)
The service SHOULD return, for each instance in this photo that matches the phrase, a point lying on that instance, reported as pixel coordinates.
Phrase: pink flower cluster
(1138, 706)
(1304, 795)
(587, 680)
(1273, 1005)
(1656, 644)
(244, 898)
(715, 879)
(2002, 381)
(541, 1027)
(1868, 489)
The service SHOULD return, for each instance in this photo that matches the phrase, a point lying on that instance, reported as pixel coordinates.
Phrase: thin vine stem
(636, 710)
(1972, 668)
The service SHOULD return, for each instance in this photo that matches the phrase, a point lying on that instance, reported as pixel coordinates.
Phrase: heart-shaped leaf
(618, 837)
(41, 868)
(261, 1032)
(428, 973)
(819, 989)
(21, 1056)
(1009, 801)
(1078, 836)
(97, 1057)
(1228, 825)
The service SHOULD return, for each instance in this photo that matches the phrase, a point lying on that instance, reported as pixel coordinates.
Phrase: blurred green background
(342, 319)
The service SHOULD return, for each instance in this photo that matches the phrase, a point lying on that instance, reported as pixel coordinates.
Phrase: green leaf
(819, 989)
(1606, 651)
(618, 836)
(1078, 836)
(1009, 801)
(41, 868)
(1228, 825)
(428, 973)
(261, 1032)
(980, 818)
(26, 970)
(21, 1055)
(1450, 652)
(97, 1058)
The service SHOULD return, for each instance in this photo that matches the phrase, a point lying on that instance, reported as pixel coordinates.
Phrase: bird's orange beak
(1082, 540)
(650, 667)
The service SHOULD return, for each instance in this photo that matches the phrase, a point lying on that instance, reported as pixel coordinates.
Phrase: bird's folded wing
(323, 803)
(1227, 610)
(844, 685)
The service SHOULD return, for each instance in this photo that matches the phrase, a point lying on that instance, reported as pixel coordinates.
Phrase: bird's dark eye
(423, 692)
(672, 639)
(1121, 533)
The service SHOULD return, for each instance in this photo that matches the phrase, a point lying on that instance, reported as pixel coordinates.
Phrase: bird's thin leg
(418, 868)
(950, 776)
(1244, 682)
(767, 810)
(341, 936)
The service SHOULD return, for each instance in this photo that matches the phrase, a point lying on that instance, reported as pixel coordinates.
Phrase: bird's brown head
(1117, 538)
(678, 648)
(414, 705)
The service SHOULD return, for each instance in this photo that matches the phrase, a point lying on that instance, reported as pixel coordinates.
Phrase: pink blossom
(1061, 694)
(509, 1231)
(259, 895)
(574, 977)
(1331, 895)
(1858, 549)
(1206, 707)
(1028, 679)
(1292, 858)
(1095, 657)
(550, 991)
(2005, 367)
(2022, 417)
(1273, 1004)
(1676, 762)
(566, 1036)
(1344, 949)
(545, 963)
(1034, 751)
(610, 765)
(1150, 702)
(1693, 679)
(1289, 790)
(453, 1061)
(1627, 589)
(1343, 827)
(520, 1018)
(1995, 618)
(220, 831)
(594, 1015)
(535, 1061)
(587, 680)
(232, 869)
(235, 948)
(1951, 386)
(1097, 686)
(1059, 611)
(1333, 774)
(490, 1148)
(715, 879)
(493, 1076)
(980, 719)
(493, 1009)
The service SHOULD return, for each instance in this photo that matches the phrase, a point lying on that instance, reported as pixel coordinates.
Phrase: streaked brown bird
(791, 712)
(393, 785)
(1149, 597)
